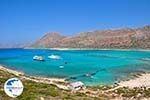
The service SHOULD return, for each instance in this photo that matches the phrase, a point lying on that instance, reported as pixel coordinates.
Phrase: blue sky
(23, 21)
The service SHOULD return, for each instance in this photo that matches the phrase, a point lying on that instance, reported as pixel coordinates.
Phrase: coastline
(21, 75)
(16, 73)
(125, 87)
(140, 80)
(67, 49)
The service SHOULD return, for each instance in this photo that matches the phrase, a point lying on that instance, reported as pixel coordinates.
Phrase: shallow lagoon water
(93, 67)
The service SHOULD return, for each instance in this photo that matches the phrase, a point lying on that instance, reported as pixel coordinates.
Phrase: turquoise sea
(93, 67)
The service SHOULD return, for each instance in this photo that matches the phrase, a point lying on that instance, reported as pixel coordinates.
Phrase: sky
(25, 21)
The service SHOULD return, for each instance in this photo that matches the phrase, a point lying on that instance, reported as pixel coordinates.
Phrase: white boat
(54, 57)
(39, 58)
(61, 66)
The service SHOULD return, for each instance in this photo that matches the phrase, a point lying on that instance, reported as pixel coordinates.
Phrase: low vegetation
(42, 91)
(135, 92)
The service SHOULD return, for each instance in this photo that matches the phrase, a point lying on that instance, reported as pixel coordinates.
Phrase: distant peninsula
(126, 38)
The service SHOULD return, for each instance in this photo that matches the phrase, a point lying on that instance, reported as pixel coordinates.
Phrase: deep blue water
(104, 66)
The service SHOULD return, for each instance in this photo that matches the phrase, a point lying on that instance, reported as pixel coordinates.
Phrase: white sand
(17, 73)
(141, 81)
(36, 79)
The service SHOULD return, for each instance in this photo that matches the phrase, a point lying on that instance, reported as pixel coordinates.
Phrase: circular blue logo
(13, 87)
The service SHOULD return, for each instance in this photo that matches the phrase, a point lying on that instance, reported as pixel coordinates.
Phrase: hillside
(127, 38)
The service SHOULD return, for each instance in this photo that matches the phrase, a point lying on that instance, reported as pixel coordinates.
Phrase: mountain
(127, 38)
(49, 40)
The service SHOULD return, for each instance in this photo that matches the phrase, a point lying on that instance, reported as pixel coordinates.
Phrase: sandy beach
(21, 75)
(17, 73)
(140, 81)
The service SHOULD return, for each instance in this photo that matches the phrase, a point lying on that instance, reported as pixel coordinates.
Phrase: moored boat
(38, 58)
(54, 57)
(61, 66)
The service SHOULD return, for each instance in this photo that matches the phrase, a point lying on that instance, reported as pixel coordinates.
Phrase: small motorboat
(38, 58)
(61, 66)
(54, 57)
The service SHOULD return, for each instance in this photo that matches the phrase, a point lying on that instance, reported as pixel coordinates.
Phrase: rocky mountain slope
(137, 38)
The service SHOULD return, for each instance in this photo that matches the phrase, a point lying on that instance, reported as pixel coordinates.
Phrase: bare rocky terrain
(127, 38)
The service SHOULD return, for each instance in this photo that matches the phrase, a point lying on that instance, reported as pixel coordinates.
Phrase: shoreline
(21, 75)
(16, 73)
(67, 49)
(140, 79)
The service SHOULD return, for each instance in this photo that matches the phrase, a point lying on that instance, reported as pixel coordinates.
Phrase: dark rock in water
(103, 69)
(66, 63)
(73, 78)
(100, 70)
(93, 73)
